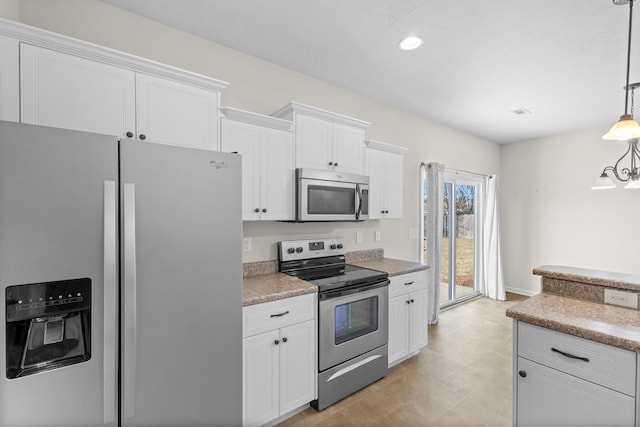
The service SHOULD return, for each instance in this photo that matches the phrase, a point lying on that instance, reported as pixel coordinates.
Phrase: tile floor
(462, 378)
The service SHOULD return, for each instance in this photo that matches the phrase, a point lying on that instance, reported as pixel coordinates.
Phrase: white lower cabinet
(407, 315)
(563, 380)
(279, 365)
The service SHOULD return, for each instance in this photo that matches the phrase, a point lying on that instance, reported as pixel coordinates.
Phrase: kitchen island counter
(604, 323)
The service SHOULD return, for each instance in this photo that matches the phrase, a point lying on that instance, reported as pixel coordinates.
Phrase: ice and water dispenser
(48, 325)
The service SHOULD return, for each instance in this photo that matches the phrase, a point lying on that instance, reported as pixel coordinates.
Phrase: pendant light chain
(626, 96)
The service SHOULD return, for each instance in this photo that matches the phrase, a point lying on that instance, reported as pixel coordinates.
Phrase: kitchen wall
(263, 88)
(550, 215)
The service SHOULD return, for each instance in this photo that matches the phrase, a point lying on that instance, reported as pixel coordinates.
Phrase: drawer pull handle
(280, 314)
(569, 355)
(409, 283)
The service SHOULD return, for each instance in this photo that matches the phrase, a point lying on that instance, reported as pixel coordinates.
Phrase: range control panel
(291, 250)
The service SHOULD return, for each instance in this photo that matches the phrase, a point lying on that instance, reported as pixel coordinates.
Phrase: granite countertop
(604, 323)
(394, 267)
(274, 286)
(263, 283)
(591, 277)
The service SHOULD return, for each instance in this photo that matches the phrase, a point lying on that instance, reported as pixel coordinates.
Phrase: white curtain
(433, 231)
(492, 278)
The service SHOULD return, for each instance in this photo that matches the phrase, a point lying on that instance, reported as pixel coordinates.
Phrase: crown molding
(256, 119)
(290, 110)
(47, 39)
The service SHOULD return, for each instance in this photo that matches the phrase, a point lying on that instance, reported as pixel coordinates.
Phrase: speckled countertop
(566, 306)
(394, 267)
(592, 277)
(263, 283)
(270, 287)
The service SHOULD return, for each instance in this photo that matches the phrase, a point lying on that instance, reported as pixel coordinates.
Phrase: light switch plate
(358, 236)
(621, 298)
(246, 244)
(378, 236)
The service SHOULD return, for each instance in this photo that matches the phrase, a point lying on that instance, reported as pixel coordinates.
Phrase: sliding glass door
(461, 236)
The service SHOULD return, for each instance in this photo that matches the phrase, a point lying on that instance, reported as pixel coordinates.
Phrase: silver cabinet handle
(109, 281)
(129, 273)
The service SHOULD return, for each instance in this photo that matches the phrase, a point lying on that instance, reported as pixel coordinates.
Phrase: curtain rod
(462, 171)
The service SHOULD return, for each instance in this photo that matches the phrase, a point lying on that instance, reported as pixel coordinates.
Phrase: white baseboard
(519, 291)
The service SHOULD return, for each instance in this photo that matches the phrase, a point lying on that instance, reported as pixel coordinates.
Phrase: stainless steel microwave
(331, 196)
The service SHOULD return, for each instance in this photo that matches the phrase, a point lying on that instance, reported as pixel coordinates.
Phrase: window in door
(461, 236)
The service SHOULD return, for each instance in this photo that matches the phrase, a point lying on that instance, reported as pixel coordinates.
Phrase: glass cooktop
(333, 277)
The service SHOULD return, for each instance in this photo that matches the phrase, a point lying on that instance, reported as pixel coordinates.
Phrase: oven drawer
(277, 314)
(599, 363)
(406, 283)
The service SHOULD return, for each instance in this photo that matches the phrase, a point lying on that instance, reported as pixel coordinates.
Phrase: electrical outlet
(621, 298)
(246, 244)
(413, 233)
(358, 236)
(378, 236)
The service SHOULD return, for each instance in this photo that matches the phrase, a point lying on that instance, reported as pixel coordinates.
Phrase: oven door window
(355, 319)
(331, 200)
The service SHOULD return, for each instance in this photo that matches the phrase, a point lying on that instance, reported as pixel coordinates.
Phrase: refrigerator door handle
(129, 273)
(110, 280)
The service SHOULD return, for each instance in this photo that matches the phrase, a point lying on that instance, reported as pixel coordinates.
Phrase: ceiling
(562, 60)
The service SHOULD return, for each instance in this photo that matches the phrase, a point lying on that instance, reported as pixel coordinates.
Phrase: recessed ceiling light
(410, 43)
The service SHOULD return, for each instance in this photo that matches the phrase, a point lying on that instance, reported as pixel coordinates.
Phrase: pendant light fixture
(625, 129)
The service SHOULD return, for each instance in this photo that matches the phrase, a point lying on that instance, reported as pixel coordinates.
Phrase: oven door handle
(351, 290)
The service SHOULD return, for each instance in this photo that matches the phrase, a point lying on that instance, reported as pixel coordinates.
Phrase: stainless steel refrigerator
(121, 271)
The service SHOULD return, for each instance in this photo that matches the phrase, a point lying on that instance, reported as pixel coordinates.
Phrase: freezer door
(181, 286)
(54, 210)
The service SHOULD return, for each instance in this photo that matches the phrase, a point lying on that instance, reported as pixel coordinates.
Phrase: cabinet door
(9, 79)
(398, 327)
(348, 149)
(393, 182)
(417, 321)
(374, 168)
(243, 139)
(550, 397)
(70, 92)
(297, 365)
(277, 177)
(260, 378)
(313, 143)
(174, 113)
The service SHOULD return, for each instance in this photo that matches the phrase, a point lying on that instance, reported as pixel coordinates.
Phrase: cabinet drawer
(407, 283)
(604, 364)
(277, 314)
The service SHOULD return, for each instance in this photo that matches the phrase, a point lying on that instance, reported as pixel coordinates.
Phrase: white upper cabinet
(68, 83)
(326, 140)
(266, 146)
(70, 92)
(9, 79)
(384, 166)
(174, 113)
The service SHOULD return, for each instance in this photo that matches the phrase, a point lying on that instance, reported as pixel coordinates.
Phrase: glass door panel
(459, 239)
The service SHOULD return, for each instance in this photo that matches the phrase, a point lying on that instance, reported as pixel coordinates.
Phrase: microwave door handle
(359, 195)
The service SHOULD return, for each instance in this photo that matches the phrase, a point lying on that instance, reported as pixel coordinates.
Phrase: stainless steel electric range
(352, 315)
